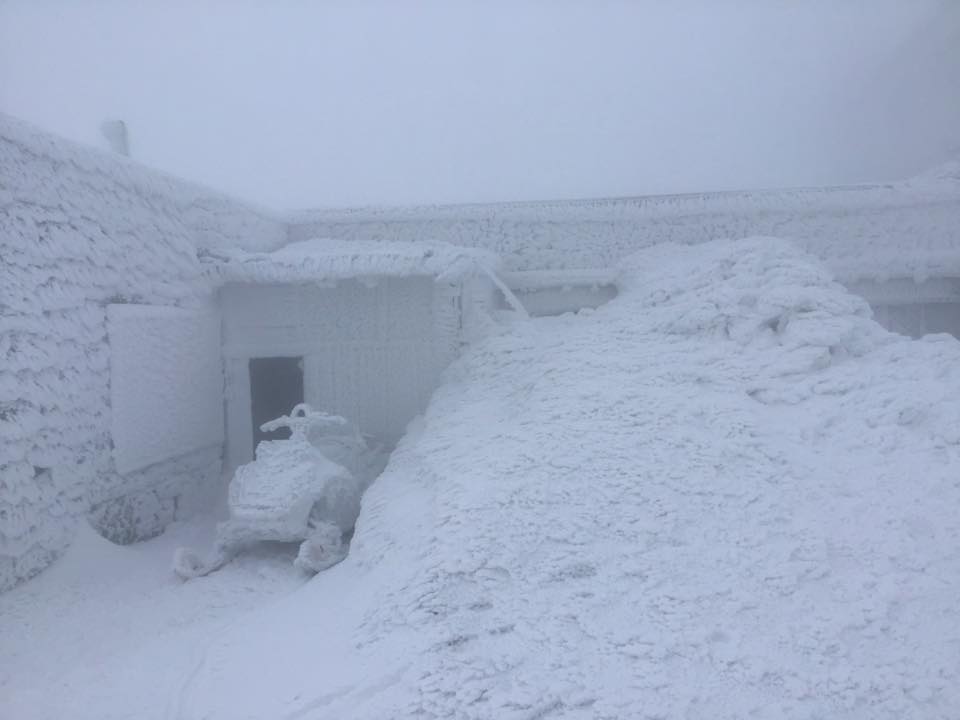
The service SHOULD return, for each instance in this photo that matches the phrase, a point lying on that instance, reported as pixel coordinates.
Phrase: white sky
(301, 104)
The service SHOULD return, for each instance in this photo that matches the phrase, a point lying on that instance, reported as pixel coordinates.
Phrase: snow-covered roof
(906, 229)
(328, 260)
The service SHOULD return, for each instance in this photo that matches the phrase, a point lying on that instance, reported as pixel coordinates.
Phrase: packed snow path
(726, 494)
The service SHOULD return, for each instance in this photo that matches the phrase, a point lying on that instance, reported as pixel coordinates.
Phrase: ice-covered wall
(372, 351)
(80, 230)
(166, 380)
(909, 229)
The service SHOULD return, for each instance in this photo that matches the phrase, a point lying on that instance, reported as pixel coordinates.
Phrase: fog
(297, 104)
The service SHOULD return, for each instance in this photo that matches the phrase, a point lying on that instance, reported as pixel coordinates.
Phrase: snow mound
(789, 324)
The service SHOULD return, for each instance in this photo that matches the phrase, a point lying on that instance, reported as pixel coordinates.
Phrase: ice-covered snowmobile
(306, 488)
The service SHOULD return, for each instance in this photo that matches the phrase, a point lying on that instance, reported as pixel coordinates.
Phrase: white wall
(914, 308)
(79, 230)
(372, 352)
(919, 319)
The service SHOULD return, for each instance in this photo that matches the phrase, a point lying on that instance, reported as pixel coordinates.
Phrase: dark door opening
(276, 386)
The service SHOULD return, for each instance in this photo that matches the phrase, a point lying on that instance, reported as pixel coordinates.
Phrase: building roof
(908, 229)
(325, 260)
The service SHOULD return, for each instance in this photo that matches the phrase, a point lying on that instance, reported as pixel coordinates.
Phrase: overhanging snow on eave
(327, 261)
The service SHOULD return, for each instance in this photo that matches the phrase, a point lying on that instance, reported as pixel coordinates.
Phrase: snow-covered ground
(111, 632)
(725, 494)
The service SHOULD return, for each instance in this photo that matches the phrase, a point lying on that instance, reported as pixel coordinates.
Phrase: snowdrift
(728, 493)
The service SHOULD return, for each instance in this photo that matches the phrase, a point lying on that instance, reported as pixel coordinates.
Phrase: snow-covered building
(148, 325)
(897, 244)
(135, 309)
(362, 330)
(98, 255)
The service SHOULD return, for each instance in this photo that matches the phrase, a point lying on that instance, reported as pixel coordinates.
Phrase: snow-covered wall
(867, 235)
(909, 229)
(371, 351)
(166, 380)
(81, 230)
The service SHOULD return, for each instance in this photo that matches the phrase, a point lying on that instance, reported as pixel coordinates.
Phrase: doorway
(276, 386)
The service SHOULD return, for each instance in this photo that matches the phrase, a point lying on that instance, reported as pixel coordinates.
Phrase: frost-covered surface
(285, 482)
(727, 493)
(375, 325)
(166, 383)
(305, 488)
(80, 229)
(372, 352)
(909, 229)
(321, 260)
(114, 625)
(124, 195)
(177, 488)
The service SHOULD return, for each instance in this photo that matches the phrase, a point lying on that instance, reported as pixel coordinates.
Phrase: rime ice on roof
(327, 260)
(908, 229)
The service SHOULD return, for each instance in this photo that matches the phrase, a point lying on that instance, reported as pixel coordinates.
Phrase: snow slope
(727, 493)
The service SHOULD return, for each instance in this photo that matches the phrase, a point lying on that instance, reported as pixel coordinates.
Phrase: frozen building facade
(362, 330)
(97, 257)
(143, 320)
(148, 326)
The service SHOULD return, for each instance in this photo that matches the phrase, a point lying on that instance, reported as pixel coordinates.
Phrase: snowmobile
(305, 489)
